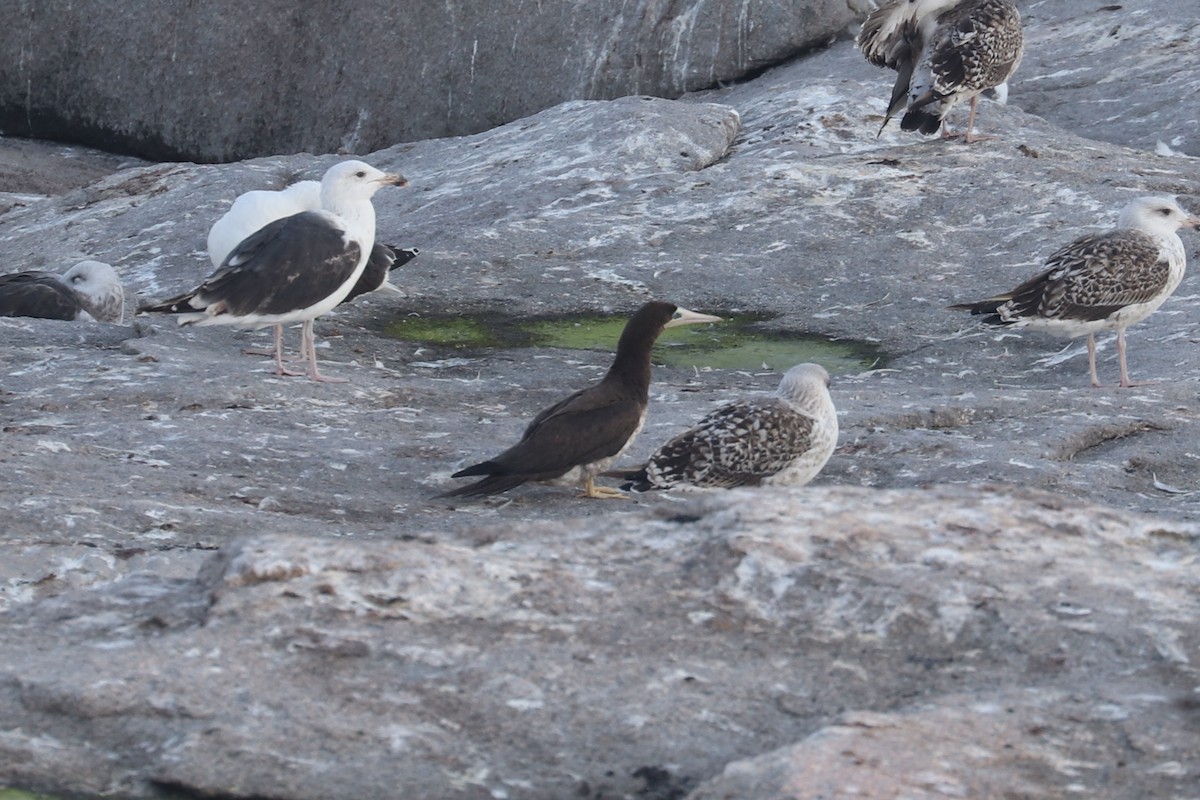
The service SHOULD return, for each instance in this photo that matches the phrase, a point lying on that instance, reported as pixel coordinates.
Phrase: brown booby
(293, 269)
(575, 439)
(944, 52)
(1102, 281)
(90, 290)
(780, 440)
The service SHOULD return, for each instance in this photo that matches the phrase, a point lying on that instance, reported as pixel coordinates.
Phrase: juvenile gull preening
(573, 440)
(944, 51)
(1102, 281)
(90, 290)
(779, 440)
(296, 268)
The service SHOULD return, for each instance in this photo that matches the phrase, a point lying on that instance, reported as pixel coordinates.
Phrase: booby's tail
(495, 482)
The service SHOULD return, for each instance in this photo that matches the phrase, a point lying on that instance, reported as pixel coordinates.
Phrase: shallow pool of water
(740, 342)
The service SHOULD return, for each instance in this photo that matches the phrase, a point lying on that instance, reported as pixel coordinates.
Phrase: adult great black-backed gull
(1102, 281)
(944, 51)
(252, 211)
(779, 440)
(294, 269)
(90, 290)
(575, 439)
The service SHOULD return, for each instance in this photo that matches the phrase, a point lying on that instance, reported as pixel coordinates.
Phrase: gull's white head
(1156, 215)
(357, 180)
(804, 383)
(99, 288)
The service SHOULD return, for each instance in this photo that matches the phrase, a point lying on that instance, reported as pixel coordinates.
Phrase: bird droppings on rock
(883, 627)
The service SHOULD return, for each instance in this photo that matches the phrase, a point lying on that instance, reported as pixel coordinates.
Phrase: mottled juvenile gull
(294, 269)
(573, 440)
(90, 290)
(944, 51)
(1102, 281)
(778, 440)
(254, 210)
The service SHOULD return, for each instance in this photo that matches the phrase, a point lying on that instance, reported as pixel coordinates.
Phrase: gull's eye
(360, 174)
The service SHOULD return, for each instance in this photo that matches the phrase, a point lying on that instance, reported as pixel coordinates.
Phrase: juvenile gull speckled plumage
(573, 440)
(1102, 281)
(944, 52)
(294, 269)
(779, 440)
(90, 290)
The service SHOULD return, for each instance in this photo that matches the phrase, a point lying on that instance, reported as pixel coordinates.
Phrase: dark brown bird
(576, 438)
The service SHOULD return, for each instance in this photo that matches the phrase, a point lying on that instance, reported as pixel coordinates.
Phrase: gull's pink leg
(1092, 359)
(280, 370)
(1125, 382)
(309, 347)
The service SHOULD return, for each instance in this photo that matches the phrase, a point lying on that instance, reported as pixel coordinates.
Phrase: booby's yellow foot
(604, 493)
(590, 489)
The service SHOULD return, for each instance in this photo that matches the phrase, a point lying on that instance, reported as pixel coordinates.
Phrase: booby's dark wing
(290, 264)
(587, 426)
(37, 294)
(1089, 279)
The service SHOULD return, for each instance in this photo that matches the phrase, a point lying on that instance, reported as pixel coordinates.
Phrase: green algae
(741, 341)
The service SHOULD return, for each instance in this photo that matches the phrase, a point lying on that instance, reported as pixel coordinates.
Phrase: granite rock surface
(227, 81)
(220, 583)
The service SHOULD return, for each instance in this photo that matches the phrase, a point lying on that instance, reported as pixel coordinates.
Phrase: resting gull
(251, 211)
(90, 290)
(1102, 281)
(296, 268)
(944, 51)
(779, 440)
(573, 440)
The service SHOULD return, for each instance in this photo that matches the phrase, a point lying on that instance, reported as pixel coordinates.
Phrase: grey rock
(225, 583)
(228, 81)
(624, 652)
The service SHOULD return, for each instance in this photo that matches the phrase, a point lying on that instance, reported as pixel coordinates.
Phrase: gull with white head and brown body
(944, 52)
(1102, 281)
(90, 290)
(783, 439)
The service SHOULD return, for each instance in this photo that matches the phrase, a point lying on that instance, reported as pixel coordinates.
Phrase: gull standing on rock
(780, 440)
(1102, 281)
(294, 269)
(90, 290)
(573, 440)
(944, 51)
(251, 211)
